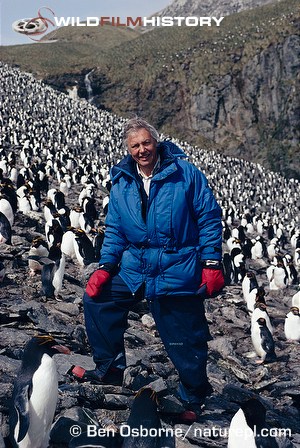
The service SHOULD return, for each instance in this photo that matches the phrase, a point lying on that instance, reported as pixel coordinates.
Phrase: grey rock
(170, 405)
(222, 345)
(148, 321)
(2, 445)
(9, 366)
(92, 394)
(70, 309)
(116, 401)
(159, 386)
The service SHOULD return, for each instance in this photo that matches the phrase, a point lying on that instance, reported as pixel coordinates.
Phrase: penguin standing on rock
(35, 394)
(249, 282)
(263, 341)
(292, 325)
(53, 273)
(277, 276)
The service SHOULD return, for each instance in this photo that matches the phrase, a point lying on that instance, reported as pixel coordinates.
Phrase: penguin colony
(55, 156)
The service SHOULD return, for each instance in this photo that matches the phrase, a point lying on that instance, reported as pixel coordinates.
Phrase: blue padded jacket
(181, 227)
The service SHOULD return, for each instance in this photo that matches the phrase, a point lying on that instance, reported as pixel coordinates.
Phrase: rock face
(251, 111)
(254, 108)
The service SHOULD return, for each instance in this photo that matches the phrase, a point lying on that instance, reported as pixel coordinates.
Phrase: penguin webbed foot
(259, 361)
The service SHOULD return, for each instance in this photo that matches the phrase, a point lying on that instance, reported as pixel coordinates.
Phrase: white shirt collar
(156, 167)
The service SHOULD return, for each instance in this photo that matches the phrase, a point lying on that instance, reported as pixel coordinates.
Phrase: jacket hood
(167, 150)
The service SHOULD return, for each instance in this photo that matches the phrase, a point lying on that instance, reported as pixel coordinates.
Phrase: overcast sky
(12, 10)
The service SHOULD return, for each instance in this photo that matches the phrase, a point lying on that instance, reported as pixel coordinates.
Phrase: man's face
(142, 148)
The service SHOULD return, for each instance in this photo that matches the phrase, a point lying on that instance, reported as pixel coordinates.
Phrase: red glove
(96, 282)
(213, 279)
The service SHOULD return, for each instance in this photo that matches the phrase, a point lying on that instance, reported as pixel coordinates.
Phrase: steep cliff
(255, 112)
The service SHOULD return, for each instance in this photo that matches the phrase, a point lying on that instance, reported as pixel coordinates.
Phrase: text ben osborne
(143, 432)
(138, 21)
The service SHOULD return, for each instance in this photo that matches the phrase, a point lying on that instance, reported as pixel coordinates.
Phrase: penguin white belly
(59, 275)
(280, 279)
(7, 210)
(271, 250)
(292, 327)
(260, 228)
(245, 286)
(256, 251)
(24, 205)
(74, 218)
(250, 299)
(256, 340)
(42, 405)
(296, 300)
(240, 434)
(67, 244)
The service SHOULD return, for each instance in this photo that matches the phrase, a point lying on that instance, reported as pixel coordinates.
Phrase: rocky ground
(233, 371)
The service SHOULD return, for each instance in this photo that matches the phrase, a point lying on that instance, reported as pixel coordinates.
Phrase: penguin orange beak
(62, 349)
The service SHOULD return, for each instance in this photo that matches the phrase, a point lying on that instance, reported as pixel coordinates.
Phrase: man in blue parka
(162, 242)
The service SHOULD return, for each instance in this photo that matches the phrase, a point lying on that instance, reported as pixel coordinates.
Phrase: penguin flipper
(47, 279)
(22, 408)
(268, 345)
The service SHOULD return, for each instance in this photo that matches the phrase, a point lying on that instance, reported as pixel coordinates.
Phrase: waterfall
(88, 86)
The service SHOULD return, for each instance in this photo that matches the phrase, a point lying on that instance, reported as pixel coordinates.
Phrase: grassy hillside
(209, 51)
(72, 50)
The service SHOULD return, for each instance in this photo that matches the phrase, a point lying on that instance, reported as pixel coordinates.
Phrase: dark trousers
(181, 324)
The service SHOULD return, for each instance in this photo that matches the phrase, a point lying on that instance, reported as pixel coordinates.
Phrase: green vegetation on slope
(73, 49)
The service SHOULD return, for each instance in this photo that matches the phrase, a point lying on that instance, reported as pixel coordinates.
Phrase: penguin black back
(267, 341)
(255, 413)
(48, 270)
